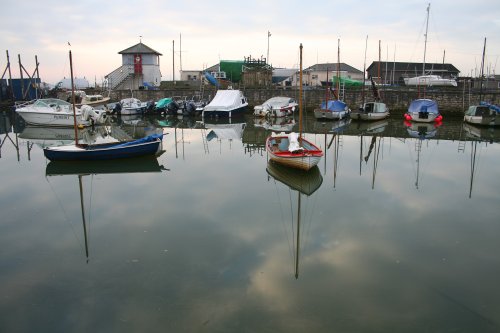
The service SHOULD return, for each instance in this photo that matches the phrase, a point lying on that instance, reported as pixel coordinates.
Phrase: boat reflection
(46, 136)
(305, 183)
(421, 132)
(283, 124)
(85, 168)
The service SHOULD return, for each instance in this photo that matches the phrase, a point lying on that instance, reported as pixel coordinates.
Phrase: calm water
(395, 234)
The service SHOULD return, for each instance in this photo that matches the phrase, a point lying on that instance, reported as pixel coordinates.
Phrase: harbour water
(395, 231)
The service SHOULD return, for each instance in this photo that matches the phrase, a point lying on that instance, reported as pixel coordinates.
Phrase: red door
(137, 64)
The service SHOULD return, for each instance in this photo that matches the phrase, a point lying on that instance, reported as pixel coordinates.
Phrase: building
(396, 72)
(316, 75)
(140, 68)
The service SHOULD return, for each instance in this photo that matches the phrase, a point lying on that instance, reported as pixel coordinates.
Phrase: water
(206, 240)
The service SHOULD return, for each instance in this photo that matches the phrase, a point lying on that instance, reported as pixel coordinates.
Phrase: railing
(119, 75)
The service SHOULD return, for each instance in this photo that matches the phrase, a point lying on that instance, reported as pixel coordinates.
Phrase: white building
(140, 68)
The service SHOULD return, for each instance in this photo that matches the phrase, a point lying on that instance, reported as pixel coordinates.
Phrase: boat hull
(110, 151)
(225, 113)
(304, 160)
(482, 120)
(41, 118)
(329, 115)
(361, 115)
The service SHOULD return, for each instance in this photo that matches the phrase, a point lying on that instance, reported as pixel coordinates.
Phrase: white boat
(279, 106)
(430, 80)
(293, 150)
(226, 103)
(371, 111)
(132, 106)
(483, 114)
(56, 112)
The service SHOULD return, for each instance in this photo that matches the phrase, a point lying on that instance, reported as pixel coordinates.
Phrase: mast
(73, 97)
(300, 92)
(482, 72)
(338, 68)
(425, 44)
(364, 73)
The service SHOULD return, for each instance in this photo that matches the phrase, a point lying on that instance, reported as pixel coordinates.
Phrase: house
(316, 75)
(140, 68)
(396, 72)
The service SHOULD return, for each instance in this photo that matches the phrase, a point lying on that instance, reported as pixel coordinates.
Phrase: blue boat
(423, 110)
(149, 145)
(332, 109)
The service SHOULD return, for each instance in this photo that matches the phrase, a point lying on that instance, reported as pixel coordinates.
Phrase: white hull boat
(56, 112)
(276, 107)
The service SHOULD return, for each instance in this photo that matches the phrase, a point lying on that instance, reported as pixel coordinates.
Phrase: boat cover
(423, 105)
(334, 106)
(294, 145)
(226, 100)
(162, 103)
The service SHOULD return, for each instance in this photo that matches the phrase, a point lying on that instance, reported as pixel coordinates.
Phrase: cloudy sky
(209, 31)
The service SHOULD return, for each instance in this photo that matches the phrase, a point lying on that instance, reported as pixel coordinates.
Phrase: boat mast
(364, 73)
(338, 69)
(482, 72)
(300, 91)
(73, 96)
(425, 44)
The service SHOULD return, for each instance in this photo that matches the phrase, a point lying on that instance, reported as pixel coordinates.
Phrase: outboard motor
(150, 106)
(117, 109)
(172, 108)
(189, 109)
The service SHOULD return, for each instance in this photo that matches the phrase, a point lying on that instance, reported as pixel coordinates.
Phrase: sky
(199, 34)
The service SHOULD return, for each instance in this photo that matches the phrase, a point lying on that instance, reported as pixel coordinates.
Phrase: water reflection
(304, 183)
(214, 244)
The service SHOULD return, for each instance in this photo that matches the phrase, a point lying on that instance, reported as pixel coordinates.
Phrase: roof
(333, 67)
(139, 49)
(411, 67)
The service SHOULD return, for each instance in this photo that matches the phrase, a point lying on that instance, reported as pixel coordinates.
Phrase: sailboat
(334, 109)
(373, 110)
(484, 114)
(305, 183)
(291, 149)
(149, 145)
(423, 109)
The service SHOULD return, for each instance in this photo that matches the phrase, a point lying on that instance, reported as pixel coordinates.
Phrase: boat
(484, 114)
(333, 109)
(149, 145)
(430, 80)
(93, 100)
(372, 110)
(279, 106)
(292, 149)
(226, 103)
(423, 109)
(132, 105)
(56, 112)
